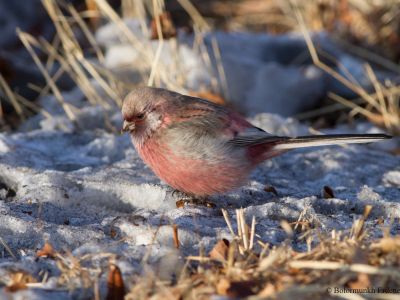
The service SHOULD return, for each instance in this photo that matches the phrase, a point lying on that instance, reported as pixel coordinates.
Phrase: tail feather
(326, 140)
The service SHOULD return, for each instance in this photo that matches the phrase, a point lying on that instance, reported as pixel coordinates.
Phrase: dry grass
(356, 21)
(366, 23)
(100, 85)
(351, 21)
(234, 269)
(367, 29)
(381, 107)
(247, 267)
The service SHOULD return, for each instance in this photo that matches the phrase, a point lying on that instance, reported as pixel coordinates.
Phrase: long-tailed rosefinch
(201, 148)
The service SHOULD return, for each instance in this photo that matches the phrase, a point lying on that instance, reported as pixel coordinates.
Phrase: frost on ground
(88, 192)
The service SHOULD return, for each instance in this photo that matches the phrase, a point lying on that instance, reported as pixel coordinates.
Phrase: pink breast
(196, 177)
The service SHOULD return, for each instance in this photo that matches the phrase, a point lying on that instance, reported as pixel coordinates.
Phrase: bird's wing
(203, 116)
(188, 109)
(253, 136)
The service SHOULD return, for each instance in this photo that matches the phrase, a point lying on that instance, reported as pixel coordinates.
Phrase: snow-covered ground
(88, 192)
(83, 188)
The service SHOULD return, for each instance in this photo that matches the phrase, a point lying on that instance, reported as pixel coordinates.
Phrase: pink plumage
(202, 148)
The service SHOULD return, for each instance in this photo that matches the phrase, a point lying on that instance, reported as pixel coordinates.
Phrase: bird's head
(143, 110)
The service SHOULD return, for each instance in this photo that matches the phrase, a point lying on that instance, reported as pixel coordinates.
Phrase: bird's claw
(194, 201)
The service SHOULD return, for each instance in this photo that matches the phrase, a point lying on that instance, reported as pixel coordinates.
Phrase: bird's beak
(127, 126)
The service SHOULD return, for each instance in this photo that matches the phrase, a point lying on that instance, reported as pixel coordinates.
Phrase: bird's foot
(179, 194)
(188, 200)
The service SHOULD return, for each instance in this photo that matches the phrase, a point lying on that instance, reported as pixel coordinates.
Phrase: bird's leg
(195, 201)
(185, 199)
(203, 201)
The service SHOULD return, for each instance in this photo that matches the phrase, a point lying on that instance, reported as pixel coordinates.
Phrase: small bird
(201, 148)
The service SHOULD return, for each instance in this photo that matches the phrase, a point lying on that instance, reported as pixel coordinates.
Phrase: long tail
(326, 140)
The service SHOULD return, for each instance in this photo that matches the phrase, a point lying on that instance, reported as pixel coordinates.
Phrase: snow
(74, 189)
(83, 188)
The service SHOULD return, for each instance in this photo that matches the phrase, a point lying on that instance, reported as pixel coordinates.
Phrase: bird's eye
(140, 116)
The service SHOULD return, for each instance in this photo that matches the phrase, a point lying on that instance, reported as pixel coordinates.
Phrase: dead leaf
(15, 287)
(271, 189)
(168, 29)
(115, 284)
(180, 203)
(223, 286)
(215, 98)
(220, 250)
(19, 281)
(91, 6)
(113, 233)
(46, 251)
(327, 192)
(241, 289)
(362, 282)
(380, 221)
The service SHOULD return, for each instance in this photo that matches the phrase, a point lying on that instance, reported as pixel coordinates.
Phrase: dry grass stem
(11, 96)
(5, 245)
(382, 101)
(25, 39)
